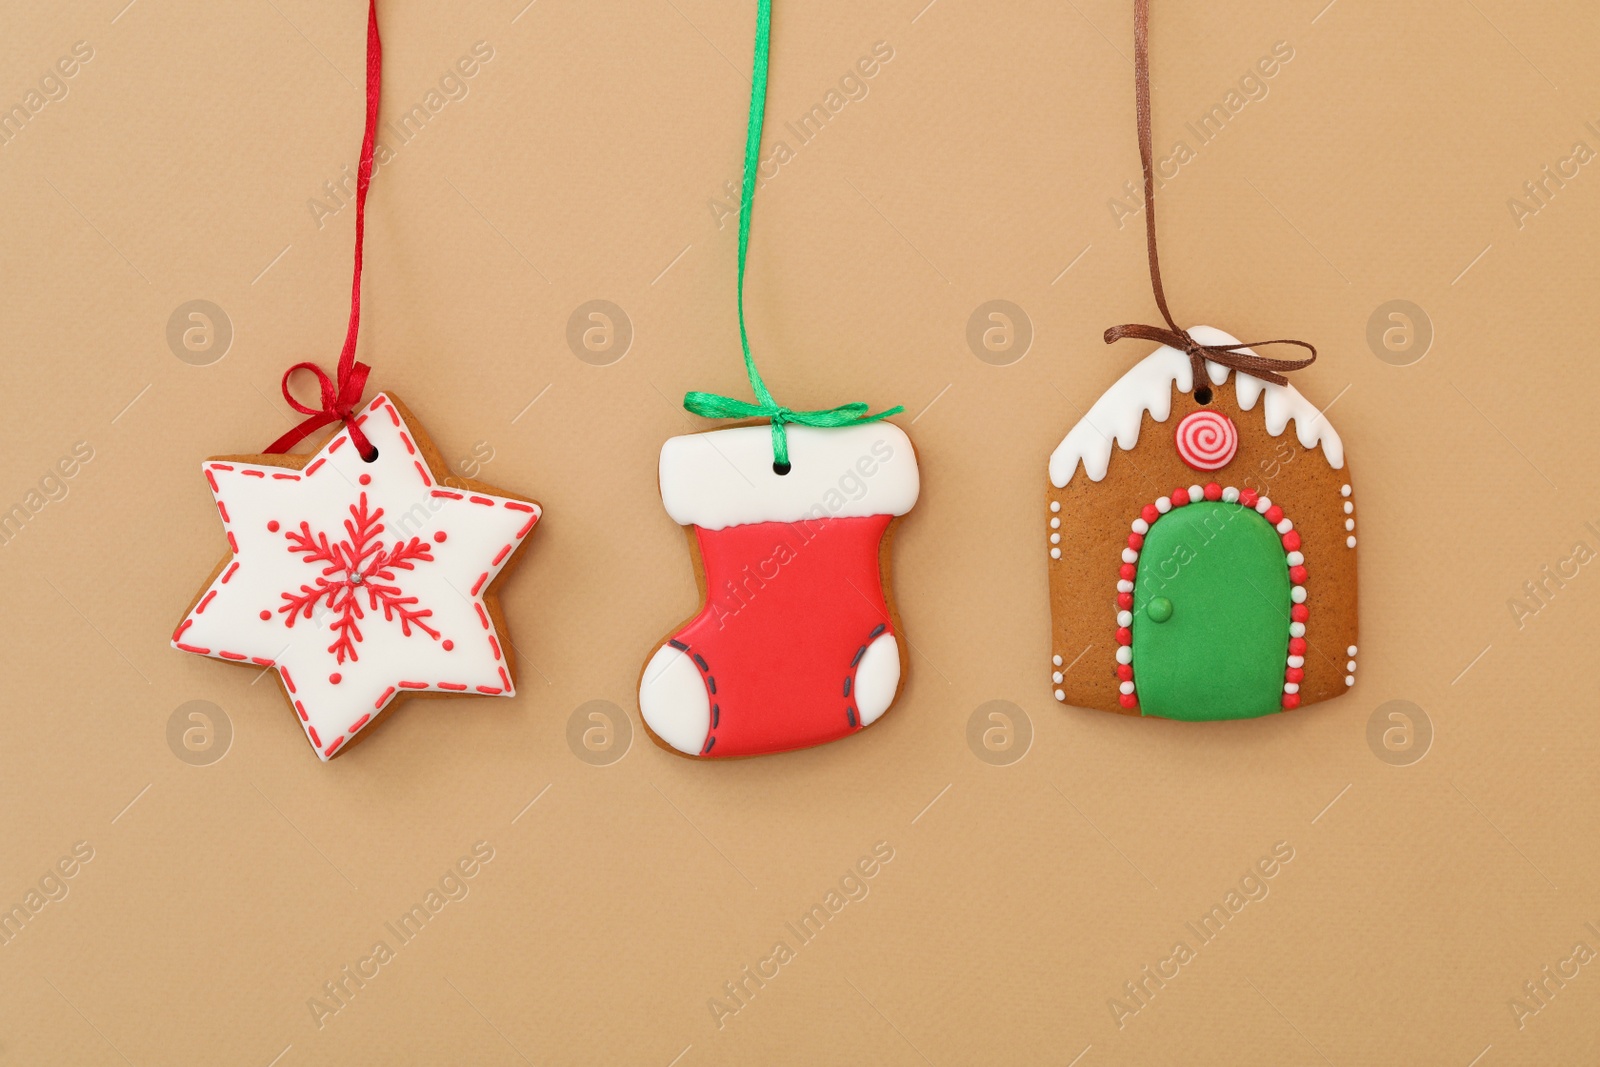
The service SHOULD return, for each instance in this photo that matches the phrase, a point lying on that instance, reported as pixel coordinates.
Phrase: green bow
(711, 405)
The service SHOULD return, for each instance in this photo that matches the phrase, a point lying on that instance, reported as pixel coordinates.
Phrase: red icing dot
(1291, 700)
(1294, 674)
(265, 615)
(1128, 700)
(1128, 572)
(1297, 646)
(1150, 513)
(335, 678)
(1299, 613)
(1125, 601)
(1248, 497)
(1274, 514)
(1124, 636)
(1135, 541)
(1297, 575)
(439, 537)
(1213, 491)
(448, 645)
(1291, 541)
(366, 479)
(1125, 672)
(272, 526)
(1180, 497)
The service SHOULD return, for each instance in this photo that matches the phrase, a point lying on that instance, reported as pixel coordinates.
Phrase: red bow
(338, 405)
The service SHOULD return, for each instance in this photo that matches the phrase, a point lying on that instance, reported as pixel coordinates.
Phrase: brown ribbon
(1270, 370)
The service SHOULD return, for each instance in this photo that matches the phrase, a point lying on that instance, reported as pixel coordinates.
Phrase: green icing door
(1210, 615)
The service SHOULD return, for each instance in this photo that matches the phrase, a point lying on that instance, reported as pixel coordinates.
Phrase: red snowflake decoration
(358, 563)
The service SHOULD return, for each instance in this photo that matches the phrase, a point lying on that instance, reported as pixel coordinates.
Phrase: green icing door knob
(1159, 609)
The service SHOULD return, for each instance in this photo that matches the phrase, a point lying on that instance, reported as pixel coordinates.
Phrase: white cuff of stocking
(725, 477)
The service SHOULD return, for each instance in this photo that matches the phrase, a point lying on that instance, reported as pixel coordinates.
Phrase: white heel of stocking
(674, 702)
(877, 678)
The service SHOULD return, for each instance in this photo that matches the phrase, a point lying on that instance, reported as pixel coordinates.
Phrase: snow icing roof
(1149, 387)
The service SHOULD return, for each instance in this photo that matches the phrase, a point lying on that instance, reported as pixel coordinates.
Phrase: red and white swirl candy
(1207, 440)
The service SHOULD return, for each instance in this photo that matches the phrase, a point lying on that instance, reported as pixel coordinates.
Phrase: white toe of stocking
(877, 678)
(674, 702)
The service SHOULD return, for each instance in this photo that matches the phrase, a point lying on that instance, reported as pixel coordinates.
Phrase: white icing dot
(1351, 666)
(1055, 505)
(1263, 504)
(1124, 654)
(1141, 527)
(1196, 493)
(1344, 490)
(1130, 555)
(1061, 696)
(1285, 526)
(1350, 651)
(1055, 539)
(1055, 677)
(1349, 524)
(1297, 629)
(1164, 505)
(1296, 559)
(1055, 553)
(1349, 542)
(1124, 586)
(1124, 618)
(1291, 687)
(1298, 594)
(1126, 687)
(1231, 495)
(1055, 524)
(1349, 679)
(1297, 661)
(1348, 507)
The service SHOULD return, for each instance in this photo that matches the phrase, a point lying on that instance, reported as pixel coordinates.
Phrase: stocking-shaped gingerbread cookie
(795, 642)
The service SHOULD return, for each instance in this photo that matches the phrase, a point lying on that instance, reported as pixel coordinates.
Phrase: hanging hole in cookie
(781, 468)
(1202, 395)
(370, 455)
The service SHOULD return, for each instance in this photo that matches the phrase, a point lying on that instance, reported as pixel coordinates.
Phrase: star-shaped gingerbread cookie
(359, 580)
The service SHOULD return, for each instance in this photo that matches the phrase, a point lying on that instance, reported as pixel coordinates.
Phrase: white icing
(1149, 387)
(674, 702)
(877, 678)
(725, 477)
(480, 537)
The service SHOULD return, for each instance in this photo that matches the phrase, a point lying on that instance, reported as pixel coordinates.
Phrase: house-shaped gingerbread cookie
(1202, 547)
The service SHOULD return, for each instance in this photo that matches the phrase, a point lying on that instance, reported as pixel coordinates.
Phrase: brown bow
(1269, 370)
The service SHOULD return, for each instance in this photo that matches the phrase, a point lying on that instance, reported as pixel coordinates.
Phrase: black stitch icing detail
(711, 684)
(850, 713)
(707, 750)
(716, 715)
(862, 651)
(847, 685)
(700, 660)
(877, 630)
(679, 645)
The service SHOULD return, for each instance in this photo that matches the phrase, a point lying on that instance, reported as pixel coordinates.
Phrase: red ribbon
(339, 401)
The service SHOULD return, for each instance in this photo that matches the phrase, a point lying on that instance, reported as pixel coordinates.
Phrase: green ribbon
(711, 405)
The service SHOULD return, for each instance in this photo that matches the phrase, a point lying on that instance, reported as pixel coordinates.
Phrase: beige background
(583, 164)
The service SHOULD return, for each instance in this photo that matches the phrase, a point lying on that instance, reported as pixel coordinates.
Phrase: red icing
(1213, 491)
(272, 526)
(1274, 514)
(1291, 700)
(1291, 541)
(1180, 497)
(365, 479)
(335, 678)
(1125, 601)
(1297, 646)
(1297, 575)
(790, 609)
(1150, 513)
(1299, 613)
(1248, 497)
(440, 537)
(266, 615)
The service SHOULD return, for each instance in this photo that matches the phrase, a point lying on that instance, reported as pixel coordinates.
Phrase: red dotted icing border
(1294, 670)
(379, 403)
